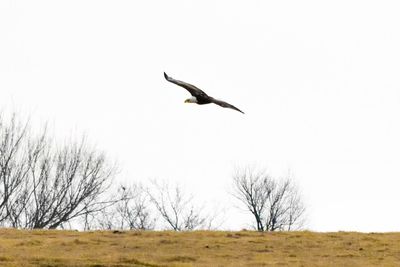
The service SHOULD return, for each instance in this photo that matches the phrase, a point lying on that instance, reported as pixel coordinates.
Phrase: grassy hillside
(200, 248)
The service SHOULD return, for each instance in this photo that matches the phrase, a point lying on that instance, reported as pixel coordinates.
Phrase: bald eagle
(198, 96)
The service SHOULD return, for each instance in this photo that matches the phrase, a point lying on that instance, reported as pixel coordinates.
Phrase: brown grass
(200, 248)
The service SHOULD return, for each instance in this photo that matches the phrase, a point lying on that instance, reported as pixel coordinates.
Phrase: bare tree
(44, 185)
(131, 212)
(63, 184)
(13, 160)
(176, 208)
(134, 208)
(138, 207)
(274, 205)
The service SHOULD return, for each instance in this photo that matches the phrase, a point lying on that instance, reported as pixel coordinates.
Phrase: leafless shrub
(176, 208)
(134, 209)
(131, 212)
(274, 205)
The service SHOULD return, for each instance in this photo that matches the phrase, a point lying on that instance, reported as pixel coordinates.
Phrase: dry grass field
(199, 248)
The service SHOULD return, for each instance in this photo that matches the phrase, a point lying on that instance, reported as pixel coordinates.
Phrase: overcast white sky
(318, 81)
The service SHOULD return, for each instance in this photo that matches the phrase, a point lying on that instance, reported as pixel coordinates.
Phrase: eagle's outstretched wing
(193, 90)
(224, 104)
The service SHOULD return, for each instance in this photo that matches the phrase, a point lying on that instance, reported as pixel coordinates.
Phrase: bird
(198, 96)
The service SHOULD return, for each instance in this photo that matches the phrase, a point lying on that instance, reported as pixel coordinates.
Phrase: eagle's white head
(191, 100)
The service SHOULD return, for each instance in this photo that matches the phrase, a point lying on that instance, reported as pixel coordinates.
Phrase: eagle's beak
(187, 101)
